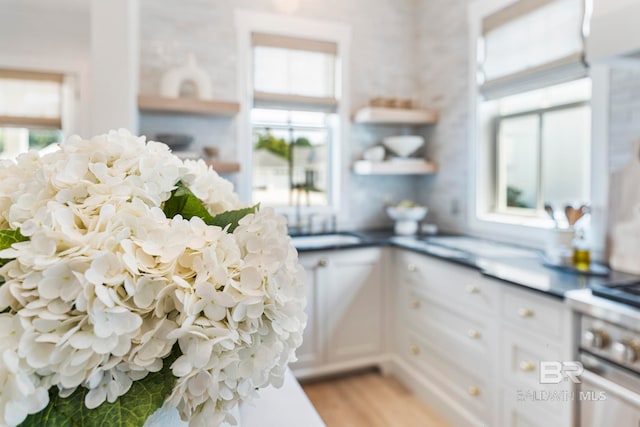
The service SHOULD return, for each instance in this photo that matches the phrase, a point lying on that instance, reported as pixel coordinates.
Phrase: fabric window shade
(31, 99)
(286, 42)
(294, 73)
(532, 44)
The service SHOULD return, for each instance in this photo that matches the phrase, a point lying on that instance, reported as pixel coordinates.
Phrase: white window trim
(248, 22)
(525, 231)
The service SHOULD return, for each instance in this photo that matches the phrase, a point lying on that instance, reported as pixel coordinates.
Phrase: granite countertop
(511, 264)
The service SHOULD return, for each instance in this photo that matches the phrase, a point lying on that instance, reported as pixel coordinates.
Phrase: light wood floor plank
(369, 400)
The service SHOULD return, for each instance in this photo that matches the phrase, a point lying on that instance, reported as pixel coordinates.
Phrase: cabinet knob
(526, 366)
(322, 262)
(415, 304)
(472, 289)
(412, 268)
(473, 334)
(473, 390)
(525, 312)
(414, 349)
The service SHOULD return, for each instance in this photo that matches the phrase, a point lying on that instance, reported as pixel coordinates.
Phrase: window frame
(250, 22)
(538, 211)
(302, 127)
(528, 231)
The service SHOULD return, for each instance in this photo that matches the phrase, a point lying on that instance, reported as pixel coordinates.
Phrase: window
(534, 114)
(30, 111)
(542, 146)
(293, 120)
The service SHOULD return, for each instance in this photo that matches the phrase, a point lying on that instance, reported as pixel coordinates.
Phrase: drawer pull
(415, 304)
(473, 390)
(525, 312)
(473, 334)
(527, 366)
(414, 349)
(412, 268)
(322, 262)
(472, 289)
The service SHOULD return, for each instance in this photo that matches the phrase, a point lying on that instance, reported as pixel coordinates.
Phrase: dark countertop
(508, 263)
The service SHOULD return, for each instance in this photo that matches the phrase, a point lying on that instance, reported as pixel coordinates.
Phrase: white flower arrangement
(128, 272)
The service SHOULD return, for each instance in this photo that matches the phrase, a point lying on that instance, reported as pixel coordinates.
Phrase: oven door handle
(609, 386)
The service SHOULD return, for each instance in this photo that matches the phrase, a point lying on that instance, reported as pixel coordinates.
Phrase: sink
(325, 240)
(482, 248)
(423, 245)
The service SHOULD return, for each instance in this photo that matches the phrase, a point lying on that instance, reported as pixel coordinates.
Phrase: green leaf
(8, 238)
(131, 410)
(232, 218)
(184, 202)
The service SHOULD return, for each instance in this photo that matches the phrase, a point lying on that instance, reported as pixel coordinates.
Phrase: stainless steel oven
(607, 395)
(609, 350)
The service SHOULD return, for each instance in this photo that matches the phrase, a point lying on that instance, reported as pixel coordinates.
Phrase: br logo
(556, 372)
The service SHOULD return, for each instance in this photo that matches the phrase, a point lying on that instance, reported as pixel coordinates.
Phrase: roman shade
(294, 73)
(31, 99)
(532, 44)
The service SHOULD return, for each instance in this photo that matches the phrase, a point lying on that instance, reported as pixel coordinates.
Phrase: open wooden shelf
(400, 116)
(161, 104)
(400, 167)
(223, 167)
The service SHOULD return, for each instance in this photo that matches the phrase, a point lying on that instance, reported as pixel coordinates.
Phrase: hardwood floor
(369, 400)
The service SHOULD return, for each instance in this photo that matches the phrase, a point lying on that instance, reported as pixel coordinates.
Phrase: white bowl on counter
(403, 145)
(406, 219)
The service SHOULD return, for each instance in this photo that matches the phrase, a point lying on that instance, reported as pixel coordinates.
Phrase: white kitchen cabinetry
(345, 328)
(535, 328)
(445, 336)
(310, 353)
(471, 346)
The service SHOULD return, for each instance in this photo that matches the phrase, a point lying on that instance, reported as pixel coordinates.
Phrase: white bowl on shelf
(403, 145)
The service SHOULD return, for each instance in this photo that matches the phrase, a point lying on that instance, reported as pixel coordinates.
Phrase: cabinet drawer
(522, 355)
(449, 282)
(534, 313)
(466, 386)
(465, 338)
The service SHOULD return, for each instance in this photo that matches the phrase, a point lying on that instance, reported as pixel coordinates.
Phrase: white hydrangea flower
(107, 286)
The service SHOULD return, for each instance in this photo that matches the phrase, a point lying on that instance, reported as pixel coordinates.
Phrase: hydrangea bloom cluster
(106, 285)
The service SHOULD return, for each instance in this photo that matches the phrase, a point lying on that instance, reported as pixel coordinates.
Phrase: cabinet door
(353, 307)
(520, 409)
(311, 353)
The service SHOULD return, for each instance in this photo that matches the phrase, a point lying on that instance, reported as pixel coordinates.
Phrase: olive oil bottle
(581, 251)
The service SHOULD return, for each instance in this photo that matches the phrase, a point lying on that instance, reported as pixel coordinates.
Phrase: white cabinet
(344, 307)
(471, 346)
(311, 351)
(445, 334)
(535, 328)
(354, 305)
